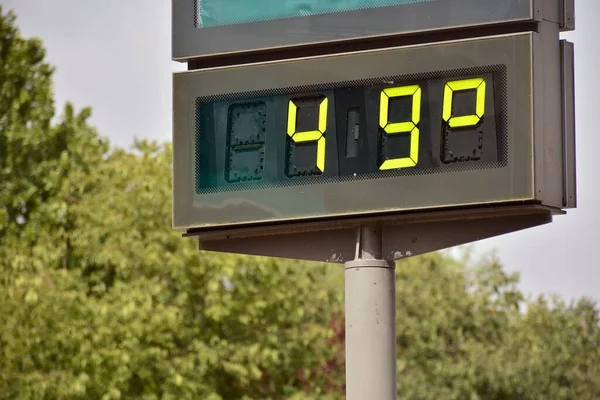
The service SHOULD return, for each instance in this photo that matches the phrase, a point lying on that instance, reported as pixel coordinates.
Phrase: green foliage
(119, 306)
(464, 331)
(100, 299)
(26, 107)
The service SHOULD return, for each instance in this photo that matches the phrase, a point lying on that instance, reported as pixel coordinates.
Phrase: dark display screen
(211, 13)
(369, 129)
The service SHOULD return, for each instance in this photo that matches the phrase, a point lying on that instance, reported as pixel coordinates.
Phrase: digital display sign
(381, 127)
(406, 128)
(435, 122)
(211, 13)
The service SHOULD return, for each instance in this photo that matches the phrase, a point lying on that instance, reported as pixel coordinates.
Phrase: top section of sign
(211, 13)
(208, 28)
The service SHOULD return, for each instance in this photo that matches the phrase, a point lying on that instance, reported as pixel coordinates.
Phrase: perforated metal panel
(496, 154)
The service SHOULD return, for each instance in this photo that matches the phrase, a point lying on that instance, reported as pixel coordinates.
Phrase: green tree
(100, 299)
(26, 108)
(465, 331)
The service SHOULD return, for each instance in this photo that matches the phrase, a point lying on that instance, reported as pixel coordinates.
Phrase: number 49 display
(410, 127)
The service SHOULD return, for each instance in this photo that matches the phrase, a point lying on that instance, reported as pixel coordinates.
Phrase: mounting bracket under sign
(405, 236)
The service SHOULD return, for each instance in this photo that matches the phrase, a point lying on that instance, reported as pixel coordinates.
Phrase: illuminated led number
(476, 84)
(395, 128)
(317, 135)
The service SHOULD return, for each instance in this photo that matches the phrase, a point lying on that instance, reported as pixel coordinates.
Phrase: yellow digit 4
(477, 84)
(394, 128)
(310, 136)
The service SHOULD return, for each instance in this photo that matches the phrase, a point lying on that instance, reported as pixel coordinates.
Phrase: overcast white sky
(114, 55)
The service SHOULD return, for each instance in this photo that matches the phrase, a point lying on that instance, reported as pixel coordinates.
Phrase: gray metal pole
(370, 321)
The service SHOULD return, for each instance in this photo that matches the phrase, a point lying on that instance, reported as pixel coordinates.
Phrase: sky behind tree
(115, 56)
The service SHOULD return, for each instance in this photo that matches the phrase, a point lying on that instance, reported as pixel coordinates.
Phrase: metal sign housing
(246, 190)
(526, 175)
(190, 40)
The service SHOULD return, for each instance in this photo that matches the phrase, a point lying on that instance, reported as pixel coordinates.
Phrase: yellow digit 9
(310, 136)
(394, 128)
(477, 84)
